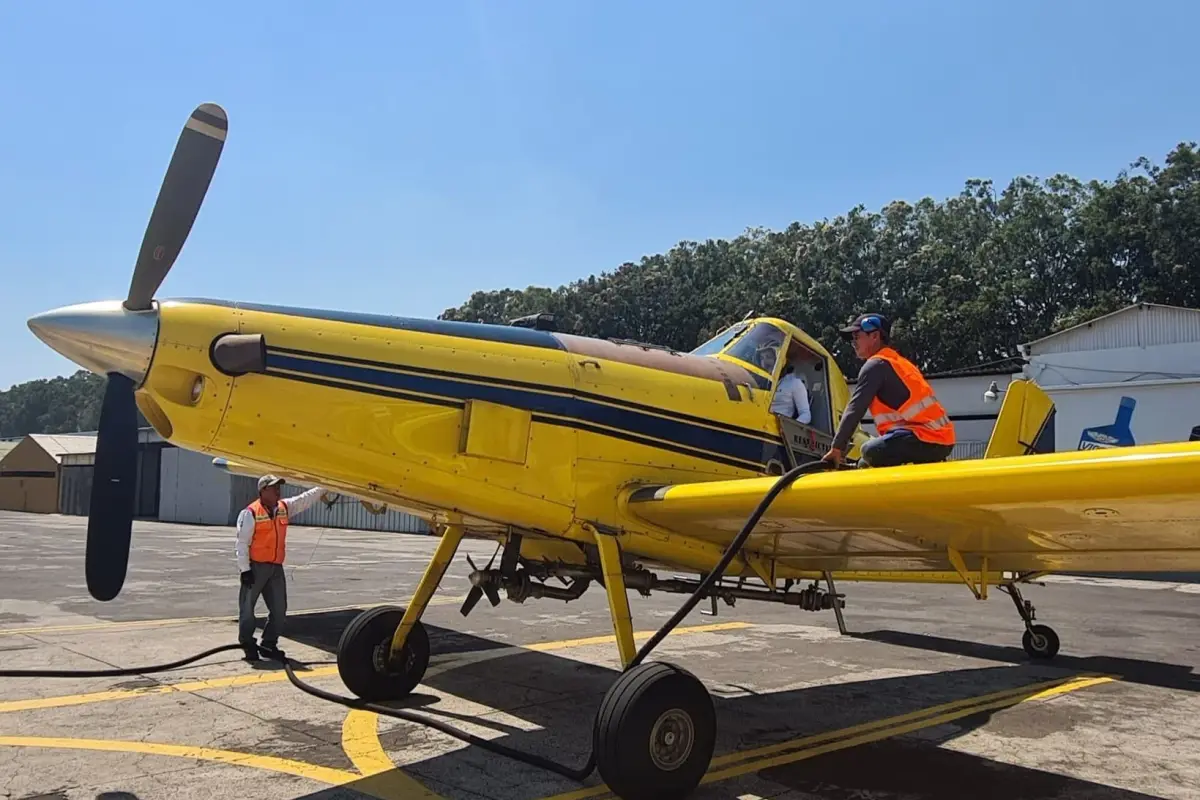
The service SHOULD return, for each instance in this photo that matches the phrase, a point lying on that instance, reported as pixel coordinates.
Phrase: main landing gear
(654, 733)
(364, 661)
(1039, 641)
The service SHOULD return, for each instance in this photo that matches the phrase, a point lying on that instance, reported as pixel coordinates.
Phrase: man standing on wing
(913, 426)
(261, 548)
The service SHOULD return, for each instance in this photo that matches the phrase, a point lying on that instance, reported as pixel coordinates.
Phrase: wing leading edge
(1129, 509)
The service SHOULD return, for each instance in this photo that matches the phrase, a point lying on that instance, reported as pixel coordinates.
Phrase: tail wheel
(362, 655)
(1040, 641)
(655, 733)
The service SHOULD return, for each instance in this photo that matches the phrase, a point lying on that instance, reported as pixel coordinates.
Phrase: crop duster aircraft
(591, 460)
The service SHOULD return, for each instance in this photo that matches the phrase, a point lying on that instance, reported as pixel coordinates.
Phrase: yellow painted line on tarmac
(159, 623)
(360, 741)
(360, 729)
(259, 678)
(238, 681)
(758, 759)
(328, 775)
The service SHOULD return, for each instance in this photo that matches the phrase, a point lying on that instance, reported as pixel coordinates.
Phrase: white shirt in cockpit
(791, 399)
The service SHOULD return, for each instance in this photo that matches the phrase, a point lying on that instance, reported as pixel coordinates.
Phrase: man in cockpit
(791, 396)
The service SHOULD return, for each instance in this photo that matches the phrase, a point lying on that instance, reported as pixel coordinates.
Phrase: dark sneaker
(273, 652)
(251, 651)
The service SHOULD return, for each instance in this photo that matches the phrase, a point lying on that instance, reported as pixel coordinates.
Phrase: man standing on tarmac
(261, 547)
(913, 426)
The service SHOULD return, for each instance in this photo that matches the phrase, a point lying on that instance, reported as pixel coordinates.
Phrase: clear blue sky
(394, 157)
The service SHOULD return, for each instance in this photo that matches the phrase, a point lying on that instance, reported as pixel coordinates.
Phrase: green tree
(966, 280)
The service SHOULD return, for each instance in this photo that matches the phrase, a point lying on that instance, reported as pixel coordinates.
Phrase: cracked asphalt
(930, 696)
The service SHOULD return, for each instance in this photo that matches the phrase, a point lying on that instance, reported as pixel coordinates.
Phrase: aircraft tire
(363, 648)
(1046, 648)
(655, 733)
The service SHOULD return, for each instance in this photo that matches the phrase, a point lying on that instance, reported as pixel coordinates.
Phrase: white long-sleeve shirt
(791, 399)
(245, 522)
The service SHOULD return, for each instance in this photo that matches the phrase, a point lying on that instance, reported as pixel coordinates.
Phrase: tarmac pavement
(930, 696)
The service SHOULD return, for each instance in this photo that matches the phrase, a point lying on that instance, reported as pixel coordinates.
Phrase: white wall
(1087, 386)
(1163, 411)
(1121, 364)
(963, 399)
(192, 490)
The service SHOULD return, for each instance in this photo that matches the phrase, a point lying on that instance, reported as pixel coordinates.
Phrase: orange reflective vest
(269, 542)
(922, 413)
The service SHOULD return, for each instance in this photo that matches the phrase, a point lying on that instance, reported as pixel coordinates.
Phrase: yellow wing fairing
(741, 448)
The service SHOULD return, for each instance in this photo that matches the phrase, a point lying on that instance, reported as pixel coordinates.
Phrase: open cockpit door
(807, 441)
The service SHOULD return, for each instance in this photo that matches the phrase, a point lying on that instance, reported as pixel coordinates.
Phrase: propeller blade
(183, 188)
(472, 598)
(110, 517)
(493, 595)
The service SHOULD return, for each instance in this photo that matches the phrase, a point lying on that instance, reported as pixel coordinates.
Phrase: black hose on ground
(116, 672)
(531, 759)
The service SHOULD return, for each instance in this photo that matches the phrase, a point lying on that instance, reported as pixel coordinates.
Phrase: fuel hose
(532, 759)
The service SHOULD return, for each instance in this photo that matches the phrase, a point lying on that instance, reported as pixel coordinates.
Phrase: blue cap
(868, 323)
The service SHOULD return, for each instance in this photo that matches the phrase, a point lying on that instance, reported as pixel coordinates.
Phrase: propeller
(484, 586)
(110, 516)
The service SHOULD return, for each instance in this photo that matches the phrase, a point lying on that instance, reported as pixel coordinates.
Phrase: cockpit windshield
(759, 346)
(717, 343)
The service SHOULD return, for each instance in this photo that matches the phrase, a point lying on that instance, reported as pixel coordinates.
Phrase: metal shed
(30, 472)
(77, 469)
(1129, 377)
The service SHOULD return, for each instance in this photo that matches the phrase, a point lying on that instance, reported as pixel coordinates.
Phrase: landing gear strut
(1039, 641)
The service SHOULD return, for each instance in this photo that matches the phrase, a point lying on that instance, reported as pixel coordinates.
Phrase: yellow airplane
(591, 460)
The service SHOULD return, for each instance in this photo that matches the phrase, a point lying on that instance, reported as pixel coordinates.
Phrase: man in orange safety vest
(261, 548)
(913, 426)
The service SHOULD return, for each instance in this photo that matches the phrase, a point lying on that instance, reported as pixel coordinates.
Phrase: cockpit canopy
(757, 344)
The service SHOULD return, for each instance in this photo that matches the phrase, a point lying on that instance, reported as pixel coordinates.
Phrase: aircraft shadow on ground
(559, 695)
(1131, 670)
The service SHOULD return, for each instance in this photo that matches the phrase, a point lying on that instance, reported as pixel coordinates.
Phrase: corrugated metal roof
(1138, 325)
(58, 445)
(1004, 366)
(5, 447)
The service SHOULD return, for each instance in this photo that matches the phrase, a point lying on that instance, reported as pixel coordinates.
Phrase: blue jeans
(900, 446)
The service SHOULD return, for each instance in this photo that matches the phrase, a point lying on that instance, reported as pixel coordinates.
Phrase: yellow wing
(1129, 509)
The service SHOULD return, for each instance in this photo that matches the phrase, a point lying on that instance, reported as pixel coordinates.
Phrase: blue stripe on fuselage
(730, 445)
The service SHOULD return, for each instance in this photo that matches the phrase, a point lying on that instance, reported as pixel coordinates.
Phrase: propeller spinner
(118, 340)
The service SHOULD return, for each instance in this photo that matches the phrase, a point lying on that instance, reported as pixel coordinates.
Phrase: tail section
(1026, 422)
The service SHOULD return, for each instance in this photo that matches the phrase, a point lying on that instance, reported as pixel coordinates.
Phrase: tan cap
(270, 480)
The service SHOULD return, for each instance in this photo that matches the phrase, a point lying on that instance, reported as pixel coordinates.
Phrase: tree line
(965, 280)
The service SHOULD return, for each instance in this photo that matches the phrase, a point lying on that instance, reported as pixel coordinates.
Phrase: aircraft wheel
(362, 655)
(654, 734)
(1040, 641)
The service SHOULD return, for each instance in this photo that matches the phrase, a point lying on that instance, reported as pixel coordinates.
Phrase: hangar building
(1129, 377)
(52, 473)
(1125, 378)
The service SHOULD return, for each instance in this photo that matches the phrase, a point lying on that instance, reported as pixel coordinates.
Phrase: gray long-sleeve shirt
(876, 378)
